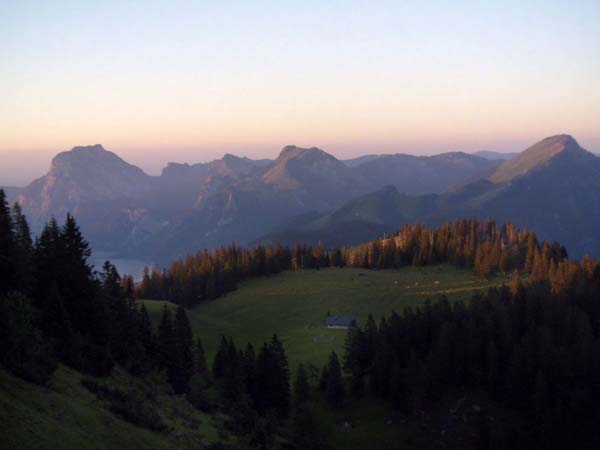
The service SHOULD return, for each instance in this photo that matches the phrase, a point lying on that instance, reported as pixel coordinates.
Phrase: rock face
(317, 179)
(83, 175)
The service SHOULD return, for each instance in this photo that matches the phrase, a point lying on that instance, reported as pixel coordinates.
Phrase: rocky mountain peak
(535, 156)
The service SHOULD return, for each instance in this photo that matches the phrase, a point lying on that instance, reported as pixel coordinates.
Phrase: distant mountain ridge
(552, 187)
(308, 193)
(417, 175)
(535, 156)
(491, 155)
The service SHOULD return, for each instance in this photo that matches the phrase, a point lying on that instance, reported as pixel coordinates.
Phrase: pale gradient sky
(188, 81)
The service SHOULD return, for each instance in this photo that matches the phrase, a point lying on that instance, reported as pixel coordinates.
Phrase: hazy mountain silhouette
(552, 187)
(308, 194)
(424, 174)
(494, 156)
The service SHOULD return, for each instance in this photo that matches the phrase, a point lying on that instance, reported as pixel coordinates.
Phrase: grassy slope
(295, 304)
(67, 416)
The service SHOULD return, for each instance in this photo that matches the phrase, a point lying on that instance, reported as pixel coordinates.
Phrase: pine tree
(145, 289)
(128, 286)
(220, 360)
(357, 382)
(184, 354)
(396, 385)
(47, 259)
(23, 262)
(200, 366)
(7, 248)
(166, 348)
(324, 378)
(146, 338)
(250, 373)
(76, 281)
(368, 349)
(301, 387)
(335, 386)
(56, 323)
(233, 382)
(281, 380)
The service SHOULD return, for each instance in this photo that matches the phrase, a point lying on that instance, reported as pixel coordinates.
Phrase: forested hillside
(487, 248)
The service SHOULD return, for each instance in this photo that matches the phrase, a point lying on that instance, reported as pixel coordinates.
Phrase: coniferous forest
(530, 351)
(484, 247)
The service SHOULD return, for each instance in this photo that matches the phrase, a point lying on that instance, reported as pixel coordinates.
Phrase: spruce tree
(335, 386)
(250, 373)
(166, 348)
(23, 261)
(145, 289)
(184, 353)
(324, 378)
(145, 337)
(357, 382)
(7, 248)
(301, 387)
(47, 259)
(128, 286)
(220, 360)
(281, 380)
(56, 324)
(200, 366)
(77, 284)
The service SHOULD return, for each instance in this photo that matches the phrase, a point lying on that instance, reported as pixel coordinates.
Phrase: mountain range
(552, 187)
(306, 194)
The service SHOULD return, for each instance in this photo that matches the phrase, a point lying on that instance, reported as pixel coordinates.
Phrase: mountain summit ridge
(535, 156)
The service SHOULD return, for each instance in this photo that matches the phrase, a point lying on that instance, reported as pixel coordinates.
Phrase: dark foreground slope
(67, 416)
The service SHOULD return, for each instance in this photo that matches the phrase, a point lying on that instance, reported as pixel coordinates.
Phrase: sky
(189, 81)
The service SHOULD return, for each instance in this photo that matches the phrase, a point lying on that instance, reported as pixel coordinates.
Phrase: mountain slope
(534, 157)
(358, 220)
(552, 187)
(417, 175)
(83, 175)
(122, 210)
(68, 416)
(317, 178)
(299, 181)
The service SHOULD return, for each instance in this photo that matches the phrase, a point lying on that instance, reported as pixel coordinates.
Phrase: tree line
(484, 247)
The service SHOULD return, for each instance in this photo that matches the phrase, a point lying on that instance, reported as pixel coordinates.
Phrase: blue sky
(158, 81)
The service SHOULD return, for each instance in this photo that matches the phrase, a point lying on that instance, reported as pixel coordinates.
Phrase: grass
(67, 416)
(295, 304)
